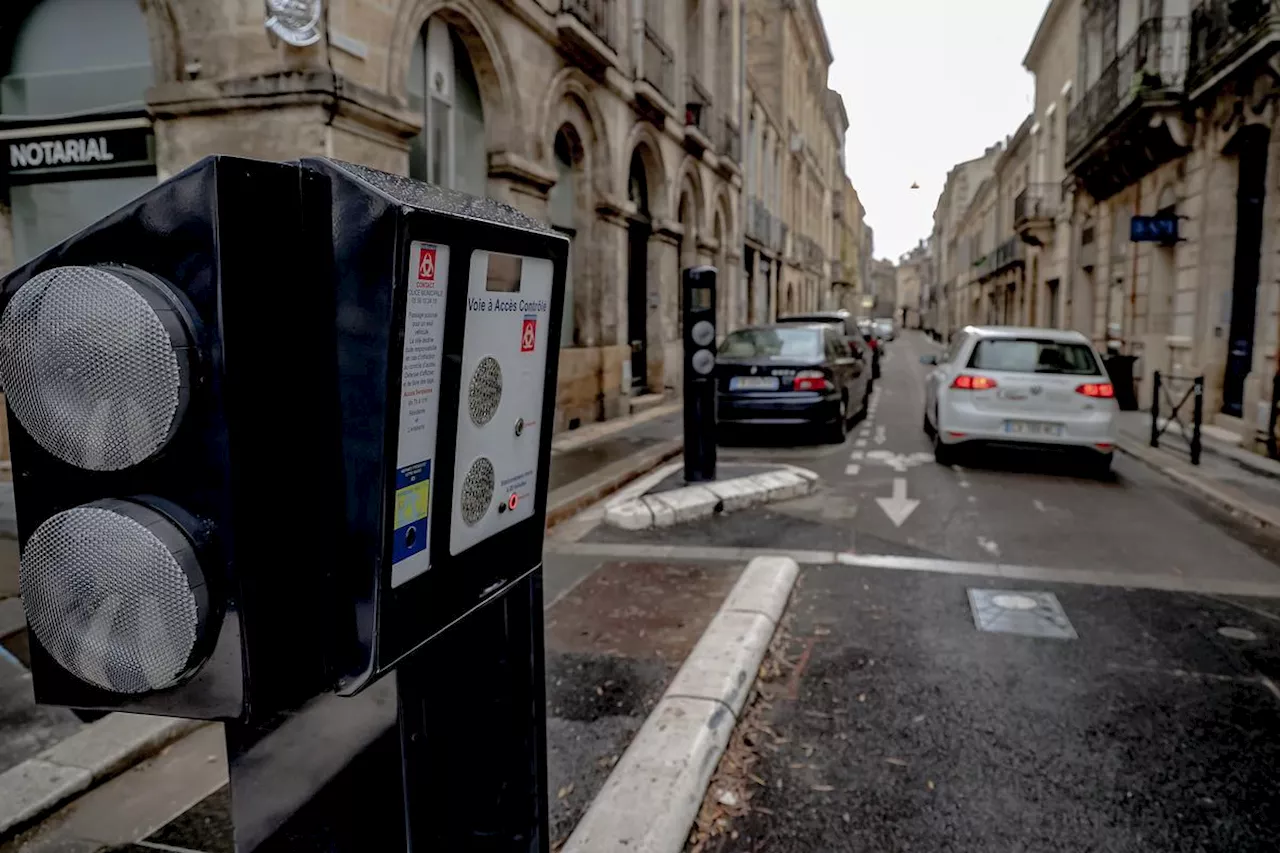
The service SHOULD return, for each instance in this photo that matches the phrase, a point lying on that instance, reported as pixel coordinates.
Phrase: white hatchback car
(1016, 386)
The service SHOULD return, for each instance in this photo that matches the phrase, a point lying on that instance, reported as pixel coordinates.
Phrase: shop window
(451, 150)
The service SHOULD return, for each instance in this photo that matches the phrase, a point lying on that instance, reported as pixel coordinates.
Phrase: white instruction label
(419, 409)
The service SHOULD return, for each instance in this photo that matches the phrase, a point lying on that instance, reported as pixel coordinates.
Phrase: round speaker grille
(89, 368)
(485, 392)
(110, 600)
(477, 491)
(703, 362)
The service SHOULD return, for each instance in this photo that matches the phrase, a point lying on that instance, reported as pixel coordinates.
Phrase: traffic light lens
(94, 365)
(113, 592)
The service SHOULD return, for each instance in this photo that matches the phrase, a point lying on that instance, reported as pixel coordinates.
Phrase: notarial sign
(1153, 229)
(58, 156)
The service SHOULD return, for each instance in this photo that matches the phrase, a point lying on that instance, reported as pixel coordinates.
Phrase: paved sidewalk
(1242, 482)
(586, 465)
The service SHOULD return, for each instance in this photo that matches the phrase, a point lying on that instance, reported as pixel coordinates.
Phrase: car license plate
(1032, 428)
(753, 383)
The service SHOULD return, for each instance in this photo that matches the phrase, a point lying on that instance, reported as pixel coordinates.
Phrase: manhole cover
(1242, 634)
(1032, 614)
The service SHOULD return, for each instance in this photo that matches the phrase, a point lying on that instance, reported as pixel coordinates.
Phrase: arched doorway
(450, 151)
(75, 80)
(638, 232)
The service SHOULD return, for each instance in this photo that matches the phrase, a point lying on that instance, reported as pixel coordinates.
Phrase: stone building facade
(951, 256)
(788, 58)
(1174, 149)
(1150, 215)
(619, 122)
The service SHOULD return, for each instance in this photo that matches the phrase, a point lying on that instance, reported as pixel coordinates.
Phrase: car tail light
(1104, 390)
(965, 382)
(811, 380)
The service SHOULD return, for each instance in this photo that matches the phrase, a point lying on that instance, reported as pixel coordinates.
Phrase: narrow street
(1126, 699)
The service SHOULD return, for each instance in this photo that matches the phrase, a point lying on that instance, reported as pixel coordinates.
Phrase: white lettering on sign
(59, 152)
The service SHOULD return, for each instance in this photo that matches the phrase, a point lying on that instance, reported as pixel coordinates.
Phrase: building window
(450, 151)
(70, 63)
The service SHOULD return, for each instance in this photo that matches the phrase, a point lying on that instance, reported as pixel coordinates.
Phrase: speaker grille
(477, 491)
(485, 392)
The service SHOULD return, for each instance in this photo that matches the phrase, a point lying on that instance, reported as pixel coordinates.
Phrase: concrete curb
(1260, 514)
(106, 748)
(689, 503)
(650, 800)
(570, 499)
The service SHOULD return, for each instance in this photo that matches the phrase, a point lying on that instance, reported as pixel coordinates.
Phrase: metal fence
(1161, 385)
(1036, 201)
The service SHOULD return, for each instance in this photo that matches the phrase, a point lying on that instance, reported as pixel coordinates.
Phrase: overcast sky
(927, 84)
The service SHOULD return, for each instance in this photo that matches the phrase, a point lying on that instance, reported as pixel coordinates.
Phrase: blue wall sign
(1153, 229)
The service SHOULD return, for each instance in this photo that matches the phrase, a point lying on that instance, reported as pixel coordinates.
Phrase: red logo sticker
(427, 267)
(528, 334)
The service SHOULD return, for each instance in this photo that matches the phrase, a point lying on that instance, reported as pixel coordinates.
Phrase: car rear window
(773, 343)
(1031, 355)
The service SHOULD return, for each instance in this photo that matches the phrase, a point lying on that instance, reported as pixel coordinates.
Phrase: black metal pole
(699, 284)
(1155, 409)
(1198, 417)
(473, 731)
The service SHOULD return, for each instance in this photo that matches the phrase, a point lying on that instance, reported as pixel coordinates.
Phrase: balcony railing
(763, 227)
(698, 108)
(596, 15)
(1152, 66)
(1037, 201)
(1009, 253)
(657, 64)
(1225, 32)
(808, 252)
(730, 142)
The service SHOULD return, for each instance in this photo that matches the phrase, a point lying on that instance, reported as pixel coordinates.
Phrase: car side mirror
(928, 359)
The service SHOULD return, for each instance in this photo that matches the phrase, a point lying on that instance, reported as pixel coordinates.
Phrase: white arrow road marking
(852, 470)
(899, 462)
(880, 439)
(899, 507)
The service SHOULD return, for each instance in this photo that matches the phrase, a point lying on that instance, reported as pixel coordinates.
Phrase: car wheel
(1101, 466)
(928, 427)
(861, 414)
(838, 431)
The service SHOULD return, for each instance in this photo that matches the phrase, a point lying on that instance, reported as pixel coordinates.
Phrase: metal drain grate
(1013, 611)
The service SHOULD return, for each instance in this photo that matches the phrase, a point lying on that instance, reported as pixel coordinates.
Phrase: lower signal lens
(114, 594)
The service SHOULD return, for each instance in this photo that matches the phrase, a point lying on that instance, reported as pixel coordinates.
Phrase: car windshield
(1031, 355)
(780, 343)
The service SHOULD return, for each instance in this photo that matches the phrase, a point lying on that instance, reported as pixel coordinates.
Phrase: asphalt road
(894, 722)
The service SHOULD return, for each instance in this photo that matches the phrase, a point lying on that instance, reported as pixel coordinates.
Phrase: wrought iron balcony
(699, 114)
(657, 66)
(1034, 210)
(596, 15)
(807, 252)
(1149, 69)
(1008, 254)
(1121, 128)
(1227, 33)
(763, 227)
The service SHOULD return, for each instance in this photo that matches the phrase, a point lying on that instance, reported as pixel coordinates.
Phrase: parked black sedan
(863, 340)
(792, 374)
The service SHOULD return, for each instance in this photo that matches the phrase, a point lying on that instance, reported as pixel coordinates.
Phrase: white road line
(862, 442)
(1038, 505)
(1130, 580)
(964, 484)
(989, 545)
(852, 470)
(856, 456)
